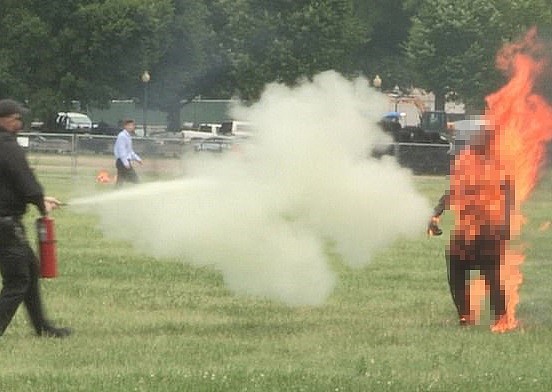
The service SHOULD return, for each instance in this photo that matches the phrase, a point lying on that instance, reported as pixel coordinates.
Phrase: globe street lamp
(145, 79)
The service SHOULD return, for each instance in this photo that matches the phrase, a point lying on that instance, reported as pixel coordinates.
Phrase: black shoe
(54, 332)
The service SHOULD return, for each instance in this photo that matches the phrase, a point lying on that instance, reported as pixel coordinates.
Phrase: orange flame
(103, 177)
(520, 122)
(524, 122)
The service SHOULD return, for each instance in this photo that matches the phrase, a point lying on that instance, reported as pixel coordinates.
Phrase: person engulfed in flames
(481, 197)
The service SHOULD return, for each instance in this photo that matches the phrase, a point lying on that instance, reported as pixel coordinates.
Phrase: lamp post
(377, 82)
(397, 95)
(145, 79)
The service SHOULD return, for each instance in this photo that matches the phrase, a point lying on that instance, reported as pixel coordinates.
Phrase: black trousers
(483, 254)
(125, 174)
(20, 277)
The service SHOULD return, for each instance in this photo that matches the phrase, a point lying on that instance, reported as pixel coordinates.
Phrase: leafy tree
(111, 43)
(56, 51)
(452, 45)
(28, 65)
(519, 15)
(385, 28)
(194, 63)
(284, 40)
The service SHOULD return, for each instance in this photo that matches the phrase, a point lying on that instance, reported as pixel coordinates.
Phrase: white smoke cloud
(264, 215)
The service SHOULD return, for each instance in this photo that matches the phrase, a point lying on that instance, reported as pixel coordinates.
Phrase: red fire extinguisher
(47, 247)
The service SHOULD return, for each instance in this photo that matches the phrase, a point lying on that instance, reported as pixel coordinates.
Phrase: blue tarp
(392, 115)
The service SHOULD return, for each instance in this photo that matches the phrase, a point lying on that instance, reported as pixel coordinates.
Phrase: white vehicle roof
(73, 114)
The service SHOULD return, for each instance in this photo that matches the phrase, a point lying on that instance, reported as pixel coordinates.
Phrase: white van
(73, 121)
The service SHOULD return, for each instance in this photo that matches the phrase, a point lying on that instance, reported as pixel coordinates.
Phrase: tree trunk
(439, 101)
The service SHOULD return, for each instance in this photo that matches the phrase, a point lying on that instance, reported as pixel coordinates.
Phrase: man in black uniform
(18, 263)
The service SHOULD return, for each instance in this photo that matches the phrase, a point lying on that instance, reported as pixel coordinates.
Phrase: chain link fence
(85, 154)
(80, 149)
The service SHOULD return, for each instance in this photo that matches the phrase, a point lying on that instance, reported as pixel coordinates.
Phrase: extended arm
(433, 225)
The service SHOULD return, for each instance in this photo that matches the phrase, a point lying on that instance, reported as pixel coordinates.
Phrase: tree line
(53, 52)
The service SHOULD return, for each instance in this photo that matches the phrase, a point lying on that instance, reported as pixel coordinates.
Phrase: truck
(431, 127)
(227, 129)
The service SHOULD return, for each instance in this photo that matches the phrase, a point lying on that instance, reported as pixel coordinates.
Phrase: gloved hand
(433, 228)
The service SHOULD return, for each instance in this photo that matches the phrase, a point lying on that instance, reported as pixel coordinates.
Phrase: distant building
(196, 112)
(417, 101)
(119, 109)
(207, 110)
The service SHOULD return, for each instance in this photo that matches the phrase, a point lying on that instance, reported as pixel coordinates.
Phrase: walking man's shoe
(54, 332)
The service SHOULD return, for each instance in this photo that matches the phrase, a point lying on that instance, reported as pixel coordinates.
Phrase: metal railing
(76, 144)
(422, 158)
(78, 153)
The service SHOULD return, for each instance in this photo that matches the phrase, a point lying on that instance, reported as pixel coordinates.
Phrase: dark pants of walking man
(125, 174)
(124, 154)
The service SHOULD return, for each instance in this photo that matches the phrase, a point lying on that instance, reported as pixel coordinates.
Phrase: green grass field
(161, 325)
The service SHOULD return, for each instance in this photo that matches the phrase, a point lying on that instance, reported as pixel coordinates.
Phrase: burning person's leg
(490, 269)
(478, 291)
(458, 278)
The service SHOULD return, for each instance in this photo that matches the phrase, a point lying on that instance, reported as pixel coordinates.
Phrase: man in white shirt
(124, 154)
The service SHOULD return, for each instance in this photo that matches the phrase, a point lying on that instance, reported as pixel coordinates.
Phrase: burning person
(464, 131)
(481, 197)
(484, 197)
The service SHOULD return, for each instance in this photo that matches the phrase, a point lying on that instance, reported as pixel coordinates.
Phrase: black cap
(9, 107)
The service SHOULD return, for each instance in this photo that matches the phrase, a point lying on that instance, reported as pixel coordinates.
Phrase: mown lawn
(143, 324)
